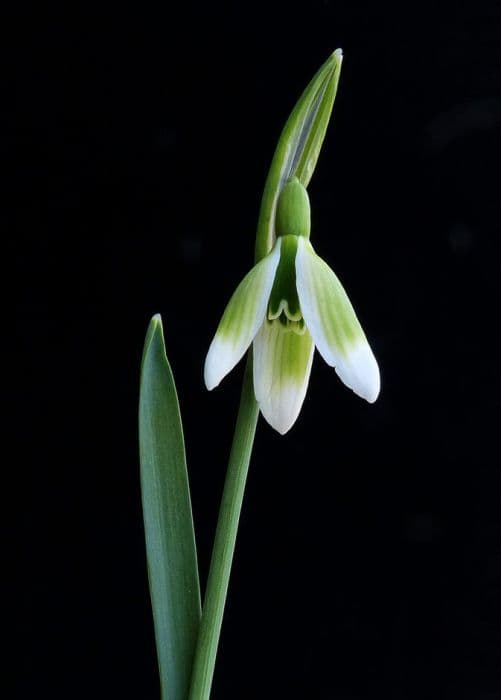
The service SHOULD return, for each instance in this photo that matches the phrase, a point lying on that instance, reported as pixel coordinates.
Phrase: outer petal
(282, 365)
(331, 320)
(241, 320)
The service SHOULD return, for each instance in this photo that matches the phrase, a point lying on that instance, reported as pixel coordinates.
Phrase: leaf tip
(155, 326)
(154, 336)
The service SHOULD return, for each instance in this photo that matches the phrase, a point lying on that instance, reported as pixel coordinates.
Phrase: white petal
(282, 366)
(331, 320)
(241, 320)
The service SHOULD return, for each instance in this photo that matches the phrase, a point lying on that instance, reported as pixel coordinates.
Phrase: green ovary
(293, 216)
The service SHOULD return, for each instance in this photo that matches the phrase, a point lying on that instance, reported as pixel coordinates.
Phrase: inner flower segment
(283, 306)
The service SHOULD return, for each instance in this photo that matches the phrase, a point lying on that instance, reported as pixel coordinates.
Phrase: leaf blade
(168, 521)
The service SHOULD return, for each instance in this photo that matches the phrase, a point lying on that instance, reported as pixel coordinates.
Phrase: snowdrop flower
(290, 302)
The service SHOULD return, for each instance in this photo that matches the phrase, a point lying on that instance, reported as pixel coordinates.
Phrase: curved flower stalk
(290, 302)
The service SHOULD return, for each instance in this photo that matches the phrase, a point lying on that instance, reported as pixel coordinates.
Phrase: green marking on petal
(282, 366)
(325, 304)
(242, 319)
(332, 322)
(288, 326)
(284, 301)
(298, 327)
(248, 298)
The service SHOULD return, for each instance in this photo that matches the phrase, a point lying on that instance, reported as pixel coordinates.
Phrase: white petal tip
(280, 425)
(281, 411)
(209, 378)
(241, 320)
(360, 372)
(220, 360)
(210, 384)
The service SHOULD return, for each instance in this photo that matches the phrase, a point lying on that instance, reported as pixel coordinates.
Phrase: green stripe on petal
(282, 366)
(283, 297)
(241, 320)
(332, 322)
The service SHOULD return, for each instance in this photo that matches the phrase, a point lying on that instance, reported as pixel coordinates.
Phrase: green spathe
(299, 145)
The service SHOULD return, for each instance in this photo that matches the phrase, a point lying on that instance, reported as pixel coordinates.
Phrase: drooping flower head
(290, 302)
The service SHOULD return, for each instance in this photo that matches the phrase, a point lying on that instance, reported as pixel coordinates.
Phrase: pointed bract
(299, 145)
(332, 322)
(282, 366)
(241, 320)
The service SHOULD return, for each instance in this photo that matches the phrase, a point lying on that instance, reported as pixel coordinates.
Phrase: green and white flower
(290, 302)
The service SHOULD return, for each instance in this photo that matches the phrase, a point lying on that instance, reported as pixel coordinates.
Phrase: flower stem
(224, 542)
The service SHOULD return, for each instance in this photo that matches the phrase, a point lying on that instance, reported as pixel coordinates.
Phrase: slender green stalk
(224, 543)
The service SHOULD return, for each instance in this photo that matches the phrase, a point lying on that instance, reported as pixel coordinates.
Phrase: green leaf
(299, 145)
(168, 521)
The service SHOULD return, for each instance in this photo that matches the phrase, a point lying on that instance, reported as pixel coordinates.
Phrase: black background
(368, 559)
